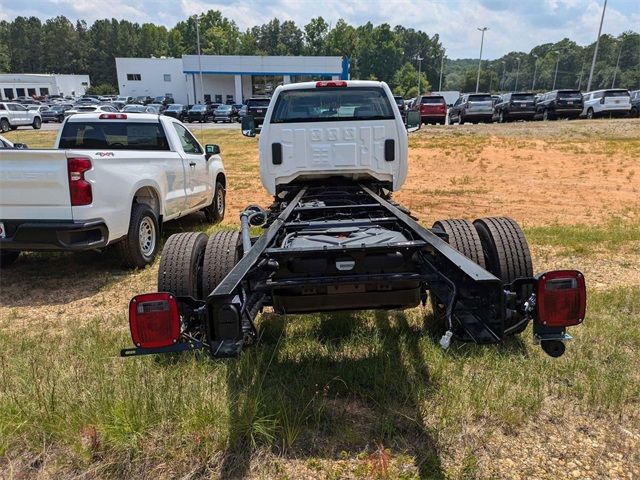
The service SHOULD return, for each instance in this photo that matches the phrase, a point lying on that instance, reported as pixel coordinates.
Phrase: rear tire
(4, 125)
(220, 256)
(181, 263)
(214, 213)
(37, 123)
(8, 257)
(138, 249)
(590, 113)
(506, 252)
(463, 236)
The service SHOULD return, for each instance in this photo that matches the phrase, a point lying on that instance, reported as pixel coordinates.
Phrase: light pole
(615, 72)
(555, 77)
(482, 29)
(419, 59)
(197, 18)
(441, 69)
(535, 70)
(595, 52)
(517, 74)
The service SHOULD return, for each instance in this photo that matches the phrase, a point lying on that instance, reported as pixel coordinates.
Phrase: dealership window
(265, 85)
(20, 92)
(218, 98)
(167, 77)
(44, 91)
(134, 77)
(8, 93)
(309, 78)
(31, 92)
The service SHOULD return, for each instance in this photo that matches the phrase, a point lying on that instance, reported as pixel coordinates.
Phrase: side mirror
(20, 145)
(413, 120)
(248, 126)
(211, 150)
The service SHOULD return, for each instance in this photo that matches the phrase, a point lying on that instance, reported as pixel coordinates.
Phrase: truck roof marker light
(113, 116)
(331, 84)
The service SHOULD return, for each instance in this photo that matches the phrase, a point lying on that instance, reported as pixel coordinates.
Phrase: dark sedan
(177, 110)
(199, 113)
(55, 113)
(224, 113)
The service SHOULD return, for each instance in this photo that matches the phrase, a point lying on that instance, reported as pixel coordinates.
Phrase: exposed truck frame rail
(342, 245)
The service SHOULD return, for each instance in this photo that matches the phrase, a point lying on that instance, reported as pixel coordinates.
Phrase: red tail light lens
(113, 116)
(561, 298)
(331, 83)
(79, 188)
(154, 320)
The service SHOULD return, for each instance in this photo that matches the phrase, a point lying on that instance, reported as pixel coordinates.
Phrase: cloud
(513, 25)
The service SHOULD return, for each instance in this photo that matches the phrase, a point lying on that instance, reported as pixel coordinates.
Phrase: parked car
(38, 108)
(635, 103)
(200, 113)
(123, 99)
(401, 106)
(90, 109)
(257, 108)
(242, 112)
(155, 108)
(14, 115)
(55, 113)
(161, 107)
(515, 106)
(225, 113)
(177, 110)
(606, 103)
(472, 107)
(137, 108)
(432, 108)
(88, 101)
(111, 178)
(164, 100)
(4, 143)
(143, 99)
(559, 104)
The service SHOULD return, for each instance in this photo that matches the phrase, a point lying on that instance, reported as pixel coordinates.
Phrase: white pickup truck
(111, 179)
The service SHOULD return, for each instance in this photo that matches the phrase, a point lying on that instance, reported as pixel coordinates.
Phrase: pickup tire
(181, 263)
(220, 256)
(214, 213)
(37, 123)
(138, 249)
(506, 253)
(4, 125)
(8, 257)
(463, 236)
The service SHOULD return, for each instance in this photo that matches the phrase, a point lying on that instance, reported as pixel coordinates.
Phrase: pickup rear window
(114, 136)
(332, 105)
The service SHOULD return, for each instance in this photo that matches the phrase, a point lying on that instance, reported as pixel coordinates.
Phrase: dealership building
(221, 78)
(14, 85)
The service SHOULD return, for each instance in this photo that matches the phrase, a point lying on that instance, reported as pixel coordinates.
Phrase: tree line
(382, 52)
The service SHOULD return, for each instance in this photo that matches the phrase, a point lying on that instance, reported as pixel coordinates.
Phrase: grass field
(363, 395)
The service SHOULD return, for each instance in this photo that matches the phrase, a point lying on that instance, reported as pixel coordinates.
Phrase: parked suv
(200, 113)
(257, 108)
(432, 108)
(609, 103)
(635, 103)
(177, 110)
(55, 113)
(559, 104)
(224, 113)
(14, 115)
(514, 106)
(472, 107)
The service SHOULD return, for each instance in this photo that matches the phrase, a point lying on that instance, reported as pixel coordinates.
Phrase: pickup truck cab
(353, 130)
(111, 179)
(14, 115)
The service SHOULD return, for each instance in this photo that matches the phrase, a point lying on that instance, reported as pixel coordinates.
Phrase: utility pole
(517, 74)
(595, 52)
(441, 68)
(199, 59)
(555, 77)
(419, 59)
(535, 70)
(615, 72)
(482, 29)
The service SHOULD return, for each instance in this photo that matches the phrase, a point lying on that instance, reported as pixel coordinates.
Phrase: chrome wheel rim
(220, 201)
(147, 236)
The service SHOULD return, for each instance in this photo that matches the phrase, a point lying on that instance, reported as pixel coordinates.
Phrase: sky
(514, 25)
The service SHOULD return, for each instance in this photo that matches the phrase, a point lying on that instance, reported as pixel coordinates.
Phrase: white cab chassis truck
(332, 153)
(112, 178)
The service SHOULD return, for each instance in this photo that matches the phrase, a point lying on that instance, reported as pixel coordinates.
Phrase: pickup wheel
(590, 113)
(214, 213)
(37, 123)
(220, 256)
(463, 237)
(181, 263)
(4, 125)
(506, 253)
(8, 257)
(138, 249)
(502, 118)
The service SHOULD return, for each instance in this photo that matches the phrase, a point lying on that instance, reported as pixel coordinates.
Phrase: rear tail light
(561, 298)
(79, 188)
(154, 320)
(331, 83)
(113, 116)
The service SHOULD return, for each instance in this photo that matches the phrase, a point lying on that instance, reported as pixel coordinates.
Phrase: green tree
(315, 33)
(405, 82)
(25, 45)
(61, 39)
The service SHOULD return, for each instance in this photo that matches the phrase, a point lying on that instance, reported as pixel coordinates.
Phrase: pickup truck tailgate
(34, 184)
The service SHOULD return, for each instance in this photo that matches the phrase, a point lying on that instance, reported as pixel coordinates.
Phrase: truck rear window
(113, 136)
(332, 104)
